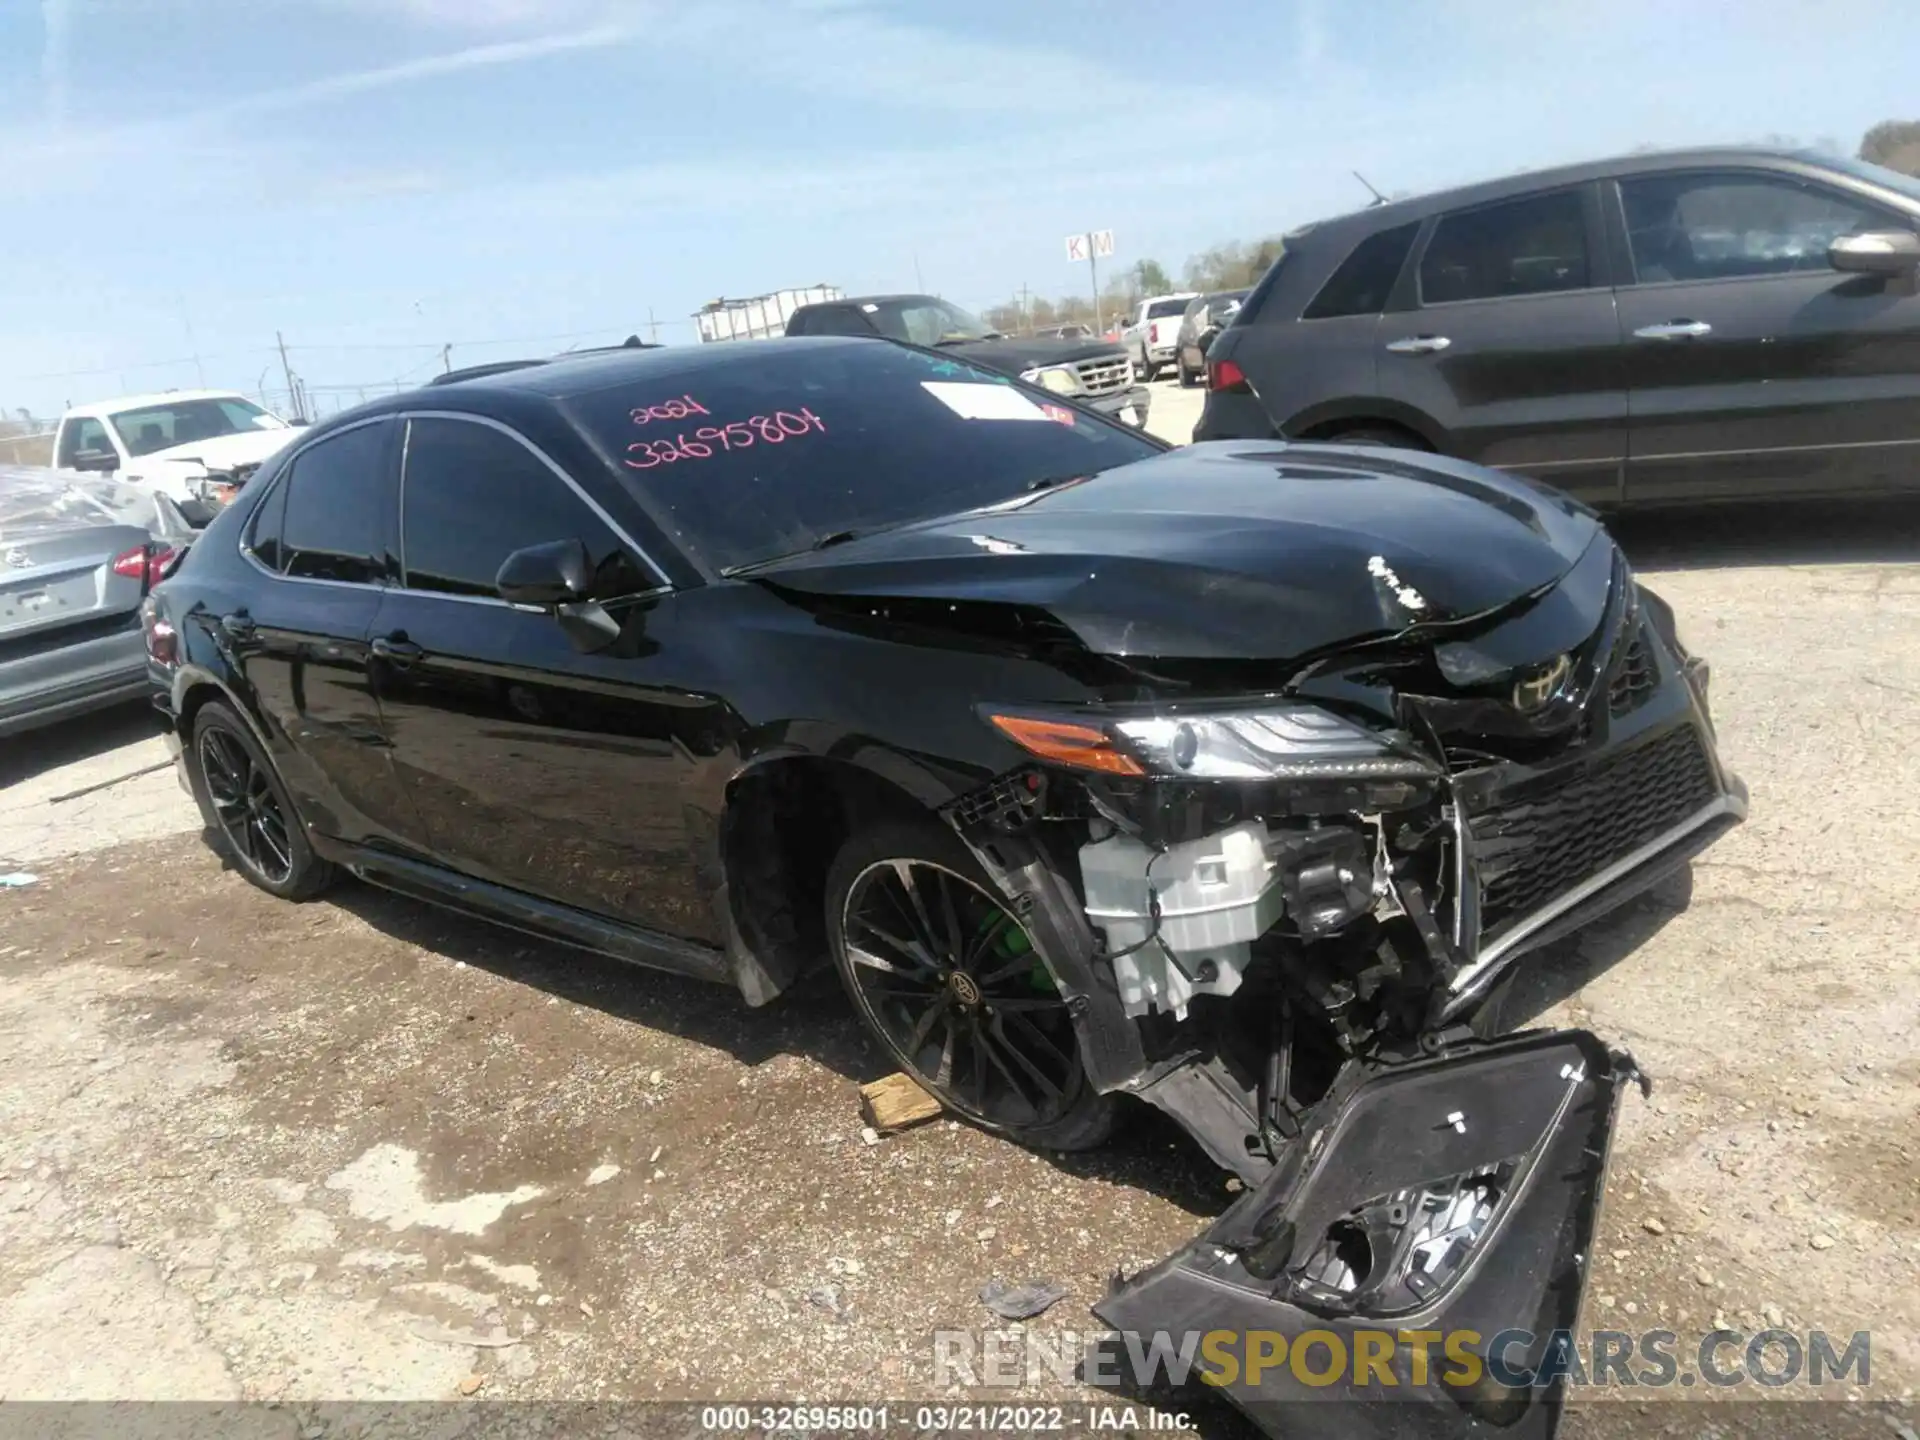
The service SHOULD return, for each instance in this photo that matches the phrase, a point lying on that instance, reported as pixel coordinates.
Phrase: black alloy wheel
(949, 981)
(246, 808)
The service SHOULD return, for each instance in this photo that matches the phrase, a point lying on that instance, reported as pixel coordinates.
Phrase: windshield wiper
(825, 542)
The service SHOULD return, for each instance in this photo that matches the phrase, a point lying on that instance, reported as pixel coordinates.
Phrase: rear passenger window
(1365, 278)
(1523, 247)
(472, 496)
(339, 508)
(268, 520)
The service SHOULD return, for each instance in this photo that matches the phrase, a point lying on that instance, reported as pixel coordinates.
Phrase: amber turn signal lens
(1080, 746)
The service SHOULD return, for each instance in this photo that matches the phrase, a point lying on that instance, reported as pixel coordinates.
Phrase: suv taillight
(145, 563)
(1153, 333)
(1227, 377)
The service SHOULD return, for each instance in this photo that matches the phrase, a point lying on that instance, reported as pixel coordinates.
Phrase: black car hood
(1011, 354)
(1237, 549)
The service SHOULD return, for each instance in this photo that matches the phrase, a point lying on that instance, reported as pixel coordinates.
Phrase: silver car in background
(78, 555)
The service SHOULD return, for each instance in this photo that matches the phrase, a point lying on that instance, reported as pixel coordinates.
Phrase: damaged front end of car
(1276, 915)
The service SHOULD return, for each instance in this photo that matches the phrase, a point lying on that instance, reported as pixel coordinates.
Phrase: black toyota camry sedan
(1231, 778)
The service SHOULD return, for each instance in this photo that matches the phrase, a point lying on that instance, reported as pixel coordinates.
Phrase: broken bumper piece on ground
(1453, 1200)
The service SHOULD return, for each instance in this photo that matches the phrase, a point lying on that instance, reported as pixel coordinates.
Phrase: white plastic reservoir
(1217, 894)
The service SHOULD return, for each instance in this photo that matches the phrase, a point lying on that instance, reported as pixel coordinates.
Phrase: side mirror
(1876, 252)
(104, 461)
(559, 572)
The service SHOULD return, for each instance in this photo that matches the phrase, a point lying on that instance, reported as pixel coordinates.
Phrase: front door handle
(1419, 345)
(1674, 330)
(396, 648)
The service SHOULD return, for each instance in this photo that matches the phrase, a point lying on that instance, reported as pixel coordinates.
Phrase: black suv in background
(1706, 325)
(1091, 372)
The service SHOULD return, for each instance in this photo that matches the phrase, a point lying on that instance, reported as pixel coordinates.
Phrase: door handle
(239, 625)
(1419, 345)
(1674, 330)
(396, 648)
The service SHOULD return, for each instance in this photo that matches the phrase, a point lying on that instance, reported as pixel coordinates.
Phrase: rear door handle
(1419, 345)
(397, 648)
(1674, 330)
(239, 625)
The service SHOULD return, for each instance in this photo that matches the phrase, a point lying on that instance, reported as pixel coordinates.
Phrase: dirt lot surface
(362, 1150)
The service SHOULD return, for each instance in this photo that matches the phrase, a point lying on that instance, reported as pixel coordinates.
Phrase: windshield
(744, 459)
(180, 422)
(924, 320)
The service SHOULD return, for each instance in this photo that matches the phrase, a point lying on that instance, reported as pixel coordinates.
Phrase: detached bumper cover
(1360, 1237)
(1139, 397)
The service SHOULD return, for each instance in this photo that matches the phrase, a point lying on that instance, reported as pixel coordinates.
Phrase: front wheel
(947, 979)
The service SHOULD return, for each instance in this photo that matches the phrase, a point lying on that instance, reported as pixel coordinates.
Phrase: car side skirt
(529, 914)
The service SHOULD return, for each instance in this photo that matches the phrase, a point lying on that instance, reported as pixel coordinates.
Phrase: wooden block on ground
(896, 1103)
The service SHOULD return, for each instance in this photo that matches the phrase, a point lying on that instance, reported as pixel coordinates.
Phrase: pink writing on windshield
(774, 429)
(670, 410)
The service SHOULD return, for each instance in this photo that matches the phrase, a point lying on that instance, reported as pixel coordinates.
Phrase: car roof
(589, 372)
(147, 402)
(1417, 207)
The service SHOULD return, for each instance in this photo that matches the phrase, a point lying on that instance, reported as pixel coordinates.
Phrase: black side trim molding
(528, 913)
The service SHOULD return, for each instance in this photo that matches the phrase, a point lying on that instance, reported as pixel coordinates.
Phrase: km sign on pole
(1092, 247)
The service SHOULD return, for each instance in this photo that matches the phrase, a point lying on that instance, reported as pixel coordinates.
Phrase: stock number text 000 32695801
(707, 440)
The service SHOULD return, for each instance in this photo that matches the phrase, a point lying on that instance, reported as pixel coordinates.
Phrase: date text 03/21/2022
(774, 429)
(961, 1418)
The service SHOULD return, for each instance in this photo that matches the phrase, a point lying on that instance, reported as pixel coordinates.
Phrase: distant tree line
(1232, 266)
(1894, 144)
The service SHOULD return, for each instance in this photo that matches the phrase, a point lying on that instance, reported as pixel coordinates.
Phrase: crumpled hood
(219, 452)
(1236, 549)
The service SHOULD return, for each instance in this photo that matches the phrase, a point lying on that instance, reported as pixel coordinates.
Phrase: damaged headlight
(1284, 742)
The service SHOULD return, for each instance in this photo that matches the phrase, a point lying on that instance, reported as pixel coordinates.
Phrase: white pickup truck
(1151, 334)
(198, 447)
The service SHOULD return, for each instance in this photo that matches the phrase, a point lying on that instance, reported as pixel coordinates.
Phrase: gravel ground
(361, 1150)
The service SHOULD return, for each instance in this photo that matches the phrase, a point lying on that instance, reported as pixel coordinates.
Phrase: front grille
(1531, 852)
(1634, 678)
(1104, 375)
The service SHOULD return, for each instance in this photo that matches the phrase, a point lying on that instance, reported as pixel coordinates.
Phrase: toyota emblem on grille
(1536, 687)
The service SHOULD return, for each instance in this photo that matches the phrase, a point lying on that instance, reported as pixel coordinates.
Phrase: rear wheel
(249, 816)
(1188, 378)
(946, 977)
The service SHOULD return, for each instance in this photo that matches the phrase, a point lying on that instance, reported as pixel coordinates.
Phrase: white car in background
(198, 447)
(1153, 333)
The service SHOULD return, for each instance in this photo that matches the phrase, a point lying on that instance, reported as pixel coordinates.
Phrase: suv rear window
(1161, 309)
(1520, 247)
(1366, 277)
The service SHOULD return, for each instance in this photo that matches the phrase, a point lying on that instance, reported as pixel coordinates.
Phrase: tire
(250, 819)
(1149, 372)
(991, 1045)
(1188, 379)
(1375, 435)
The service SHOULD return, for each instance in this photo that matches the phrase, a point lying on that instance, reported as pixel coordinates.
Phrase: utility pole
(653, 327)
(1093, 270)
(446, 358)
(293, 398)
(1026, 308)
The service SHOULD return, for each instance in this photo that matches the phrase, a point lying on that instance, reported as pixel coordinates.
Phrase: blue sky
(375, 178)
